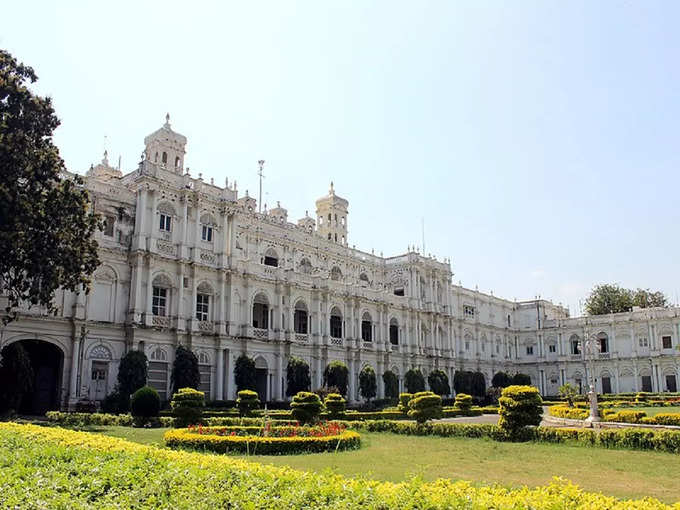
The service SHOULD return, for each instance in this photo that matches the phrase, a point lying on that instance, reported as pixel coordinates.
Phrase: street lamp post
(590, 345)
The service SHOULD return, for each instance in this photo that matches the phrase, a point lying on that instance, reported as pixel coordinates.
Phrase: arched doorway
(47, 361)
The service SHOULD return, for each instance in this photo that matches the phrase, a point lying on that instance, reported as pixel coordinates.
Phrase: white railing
(301, 337)
(336, 341)
(160, 321)
(206, 326)
(261, 333)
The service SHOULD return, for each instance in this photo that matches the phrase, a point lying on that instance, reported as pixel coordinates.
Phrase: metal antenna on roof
(261, 175)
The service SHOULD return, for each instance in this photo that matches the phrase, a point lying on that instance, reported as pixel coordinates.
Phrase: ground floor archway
(47, 361)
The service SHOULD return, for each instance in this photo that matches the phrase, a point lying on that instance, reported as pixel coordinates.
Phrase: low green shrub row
(57, 468)
(572, 413)
(628, 438)
(103, 419)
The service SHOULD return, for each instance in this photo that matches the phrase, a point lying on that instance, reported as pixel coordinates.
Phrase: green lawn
(621, 473)
(651, 411)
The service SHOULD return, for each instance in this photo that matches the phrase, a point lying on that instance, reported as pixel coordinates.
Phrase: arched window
(207, 226)
(300, 318)
(603, 341)
(160, 299)
(177, 162)
(336, 323)
(336, 274)
(261, 312)
(394, 332)
(164, 159)
(366, 327)
(305, 266)
(203, 293)
(575, 345)
(271, 258)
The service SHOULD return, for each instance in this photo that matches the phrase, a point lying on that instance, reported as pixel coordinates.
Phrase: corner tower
(331, 217)
(166, 148)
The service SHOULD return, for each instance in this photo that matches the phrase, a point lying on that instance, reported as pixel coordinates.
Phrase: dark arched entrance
(47, 361)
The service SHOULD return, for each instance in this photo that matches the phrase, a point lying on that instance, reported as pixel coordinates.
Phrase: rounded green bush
(463, 402)
(145, 403)
(247, 402)
(404, 399)
(336, 405)
(187, 406)
(306, 407)
(519, 407)
(424, 406)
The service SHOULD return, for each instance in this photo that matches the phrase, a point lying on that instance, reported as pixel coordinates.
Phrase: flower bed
(267, 440)
(57, 468)
(571, 413)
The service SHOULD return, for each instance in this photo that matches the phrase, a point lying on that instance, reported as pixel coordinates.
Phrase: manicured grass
(651, 411)
(392, 457)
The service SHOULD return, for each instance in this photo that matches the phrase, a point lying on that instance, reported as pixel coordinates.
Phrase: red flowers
(323, 429)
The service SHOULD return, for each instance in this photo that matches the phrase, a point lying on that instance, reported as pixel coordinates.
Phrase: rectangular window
(367, 331)
(530, 350)
(666, 342)
(468, 311)
(552, 348)
(467, 345)
(643, 342)
(159, 301)
(206, 233)
(202, 306)
(166, 223)
(109, 222)
(647, 383)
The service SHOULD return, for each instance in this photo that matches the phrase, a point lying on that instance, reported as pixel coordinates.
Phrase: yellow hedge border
(259, 445)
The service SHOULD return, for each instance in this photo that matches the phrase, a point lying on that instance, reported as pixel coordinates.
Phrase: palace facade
(189, 262)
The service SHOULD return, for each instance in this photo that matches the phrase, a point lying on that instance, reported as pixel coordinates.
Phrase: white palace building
(189, 262)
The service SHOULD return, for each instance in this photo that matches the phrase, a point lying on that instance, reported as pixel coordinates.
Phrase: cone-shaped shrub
(187, 407)
(335, 405)
(144, 404)
(519, 407)
(247, 402)
(425, 405)
(463, 402)
(404, 399)
(306, 407)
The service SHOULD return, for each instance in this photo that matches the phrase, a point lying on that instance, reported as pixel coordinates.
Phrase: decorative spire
(105, 159)
(167, 121)
(331, 191)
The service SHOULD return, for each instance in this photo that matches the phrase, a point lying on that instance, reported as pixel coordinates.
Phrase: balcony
(206, 326)
(158, 321)
(302, 338)
(575, 357)
(336, 341)
(262, 334)
(604, 355)
(165, 247)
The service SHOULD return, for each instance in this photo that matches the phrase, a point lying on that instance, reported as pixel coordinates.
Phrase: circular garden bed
(267, 440)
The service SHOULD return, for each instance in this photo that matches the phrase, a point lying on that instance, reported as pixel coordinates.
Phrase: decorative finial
(212, 181)
(105, 160)
(331, 191)
(306, 213)
(278, 204)
(167, 119)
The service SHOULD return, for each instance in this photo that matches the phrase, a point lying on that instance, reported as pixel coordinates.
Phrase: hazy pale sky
(538, 139)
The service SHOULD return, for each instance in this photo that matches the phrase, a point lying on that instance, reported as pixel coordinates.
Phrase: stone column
(73, 380)
(220, 373)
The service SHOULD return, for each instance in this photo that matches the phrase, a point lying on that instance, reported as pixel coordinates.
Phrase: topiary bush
(404, 399)
(391, 382)
(520, 379)
(439, 382)
(336, 375)
(519, 407)
(132, 374)
(414, 381)
(247, 402)
(187, 407)
(424, 406)
(297, 376)
(306, 407)
(144, 404)
(335, 405)
(185, 372)
(245, 374)
(368, 386)
(463, 402)
(501, 380)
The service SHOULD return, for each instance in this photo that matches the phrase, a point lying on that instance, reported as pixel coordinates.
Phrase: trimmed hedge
(571, 413)
(336, 405)
(519, 407)
(463, 401)
(260, 445)
(404, 399)
(102, 419)
(134, 475)
(424, 406)
(187, 406)
(306, 407)
(247, 402)
(663, 419)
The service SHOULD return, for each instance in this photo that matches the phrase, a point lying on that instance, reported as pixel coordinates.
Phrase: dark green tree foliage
(368, 386)
(247, 402)
(132, 375)
(462, 382)
(16, 376)
(297, 376)
(611, 298)
(425, 406)
(187, 407)
(144, 404)
(501, 380)
(306, 407)
(335, 405)
(439, 382)
(478, 384)
(46, 231)
(391, 383)
(336, 375)
(519, 407)
(185, 372)
(520, 379)
(245, 375)
(414, 381)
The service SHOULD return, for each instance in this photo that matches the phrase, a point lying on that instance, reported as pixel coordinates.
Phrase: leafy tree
(462, 382)
(568, 392)
(520, 379)
(336, 375)
(611, 298)
(501, 380)
(245, 375)
(46, 231)
(414, 381)
(297, 376)
(391, 383)
(368, 386)
(478, 384)
(16, 376)
(439, 382)
(132, 375)
(185, 372)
